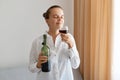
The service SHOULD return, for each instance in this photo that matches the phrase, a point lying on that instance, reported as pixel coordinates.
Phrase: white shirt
(62, 59)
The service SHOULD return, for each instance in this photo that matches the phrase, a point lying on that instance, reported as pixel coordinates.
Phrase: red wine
(63, 31)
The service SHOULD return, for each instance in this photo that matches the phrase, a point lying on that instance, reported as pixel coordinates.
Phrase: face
(56, 19)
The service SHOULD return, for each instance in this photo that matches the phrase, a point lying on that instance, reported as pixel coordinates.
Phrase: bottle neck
(44, 42)
(44, 39)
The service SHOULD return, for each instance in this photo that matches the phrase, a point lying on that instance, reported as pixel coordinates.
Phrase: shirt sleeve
(74, 55)
(33, 58)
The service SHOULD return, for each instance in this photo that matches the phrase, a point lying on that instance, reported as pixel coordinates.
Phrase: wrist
(70, 45)
(38, 65)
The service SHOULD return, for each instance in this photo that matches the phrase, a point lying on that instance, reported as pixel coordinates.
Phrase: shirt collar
(48, 35)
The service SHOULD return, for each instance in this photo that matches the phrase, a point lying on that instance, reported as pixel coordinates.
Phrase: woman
(63, 52)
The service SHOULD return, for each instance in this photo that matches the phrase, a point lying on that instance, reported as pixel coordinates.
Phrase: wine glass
(64, 30)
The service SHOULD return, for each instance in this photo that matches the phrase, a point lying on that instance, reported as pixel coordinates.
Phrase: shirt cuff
(37, 69)
(34, 68)
(71, 53)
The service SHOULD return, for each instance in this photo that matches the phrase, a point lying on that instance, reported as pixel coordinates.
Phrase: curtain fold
(92, 30)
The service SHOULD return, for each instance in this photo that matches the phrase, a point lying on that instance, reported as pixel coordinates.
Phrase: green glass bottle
(45, 52)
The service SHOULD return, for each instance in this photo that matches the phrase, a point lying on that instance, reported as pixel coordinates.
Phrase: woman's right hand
(41, 59)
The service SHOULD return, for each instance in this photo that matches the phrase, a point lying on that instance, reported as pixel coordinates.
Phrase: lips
(59, 23)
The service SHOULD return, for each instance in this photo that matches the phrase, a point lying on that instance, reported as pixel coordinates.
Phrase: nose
(60, 18)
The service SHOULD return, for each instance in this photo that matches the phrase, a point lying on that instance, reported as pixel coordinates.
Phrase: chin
(60, 26)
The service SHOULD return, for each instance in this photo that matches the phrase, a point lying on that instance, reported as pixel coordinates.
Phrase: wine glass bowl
(64, 30)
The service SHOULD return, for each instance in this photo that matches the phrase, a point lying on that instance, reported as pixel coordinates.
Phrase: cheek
(53, 20)
(50, 22)
(62, 20)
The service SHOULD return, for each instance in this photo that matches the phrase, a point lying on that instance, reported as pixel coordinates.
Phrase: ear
(46, 20)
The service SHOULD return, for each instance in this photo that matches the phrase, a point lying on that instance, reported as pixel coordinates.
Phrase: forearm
(74, 58)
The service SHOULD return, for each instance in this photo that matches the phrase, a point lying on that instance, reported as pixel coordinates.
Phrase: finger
(63, 35)
(65, 38)
(43, 57)
(40, 54)
(44, 61)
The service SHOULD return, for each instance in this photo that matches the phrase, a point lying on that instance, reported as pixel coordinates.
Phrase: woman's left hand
(66, 38)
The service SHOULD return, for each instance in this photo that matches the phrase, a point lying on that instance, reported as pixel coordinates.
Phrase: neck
(53, 33)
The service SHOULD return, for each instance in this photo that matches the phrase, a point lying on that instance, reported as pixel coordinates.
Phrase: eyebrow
(58, 15)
